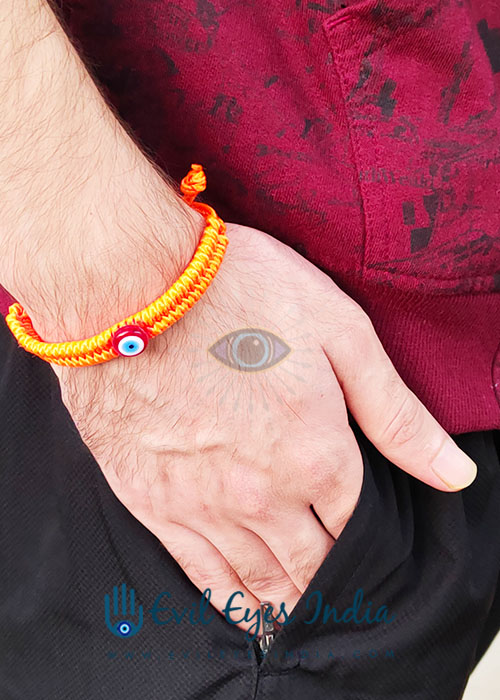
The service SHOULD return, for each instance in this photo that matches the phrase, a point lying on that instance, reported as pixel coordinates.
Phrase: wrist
(91, 232)
(125, 256)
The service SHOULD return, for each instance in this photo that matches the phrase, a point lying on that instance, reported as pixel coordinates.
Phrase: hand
(84, 218)
(223, 484)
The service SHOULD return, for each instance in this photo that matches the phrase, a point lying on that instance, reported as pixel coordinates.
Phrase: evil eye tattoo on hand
(250, 350)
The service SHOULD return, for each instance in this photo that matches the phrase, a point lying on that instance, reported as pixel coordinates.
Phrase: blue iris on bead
(129, 340)
(131, 345)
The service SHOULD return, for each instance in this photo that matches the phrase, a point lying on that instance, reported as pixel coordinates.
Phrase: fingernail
(455, 469)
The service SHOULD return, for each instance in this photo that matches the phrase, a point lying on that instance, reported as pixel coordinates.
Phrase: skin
(92, 232)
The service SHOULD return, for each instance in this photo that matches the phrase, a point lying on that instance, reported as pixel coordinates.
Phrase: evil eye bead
(124, 629)
(130, 341)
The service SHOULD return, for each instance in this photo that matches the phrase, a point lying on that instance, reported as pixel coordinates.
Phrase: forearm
(90, 231)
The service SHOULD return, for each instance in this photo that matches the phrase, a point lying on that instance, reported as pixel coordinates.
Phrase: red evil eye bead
(130, 341)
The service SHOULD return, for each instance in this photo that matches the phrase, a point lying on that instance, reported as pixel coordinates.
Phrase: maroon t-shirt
(365, 134)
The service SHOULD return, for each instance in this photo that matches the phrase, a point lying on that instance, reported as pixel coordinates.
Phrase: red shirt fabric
(364, 134)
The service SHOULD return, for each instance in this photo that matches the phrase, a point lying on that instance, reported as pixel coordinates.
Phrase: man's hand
(228, 487)
(91, 233)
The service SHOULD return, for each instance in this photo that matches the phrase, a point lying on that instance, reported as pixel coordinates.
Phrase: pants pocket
(330, 580)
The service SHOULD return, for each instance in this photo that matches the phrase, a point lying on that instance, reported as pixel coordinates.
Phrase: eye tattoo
(250, 350)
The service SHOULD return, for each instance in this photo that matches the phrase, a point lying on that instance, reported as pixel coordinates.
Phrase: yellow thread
(157, 316)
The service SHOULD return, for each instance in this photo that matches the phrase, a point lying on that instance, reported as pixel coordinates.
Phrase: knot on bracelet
(193, 183)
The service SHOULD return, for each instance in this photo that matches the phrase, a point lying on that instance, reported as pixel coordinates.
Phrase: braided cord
(157, 316)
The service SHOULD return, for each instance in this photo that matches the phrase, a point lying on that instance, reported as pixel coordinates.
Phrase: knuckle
(359, 318)
(203, 573)
(222, 575)
(354, 326)
(406, 423)
(259, 578)
(322, 478)
(304, 566)
(257, 505)
(185, 561)
(325, 471)
(259, 511)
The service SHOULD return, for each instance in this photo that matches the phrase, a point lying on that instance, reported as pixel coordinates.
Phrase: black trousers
(431, 558)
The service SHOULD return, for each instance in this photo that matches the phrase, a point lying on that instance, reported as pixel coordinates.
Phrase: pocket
(420, 96)
(332, 577)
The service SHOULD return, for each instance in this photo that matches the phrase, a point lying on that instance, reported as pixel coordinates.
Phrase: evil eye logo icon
(250, 350)
(118, 617)
(124, 629)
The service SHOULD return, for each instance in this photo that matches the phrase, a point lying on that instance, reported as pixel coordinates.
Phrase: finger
(389, 414)
(205, 566)
(300, 543)
(335, 503)
(256, 565)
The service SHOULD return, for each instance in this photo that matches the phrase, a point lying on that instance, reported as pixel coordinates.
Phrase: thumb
(389, 414)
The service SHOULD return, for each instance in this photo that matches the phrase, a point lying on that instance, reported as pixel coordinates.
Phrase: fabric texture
(364, 133)
(431, 558)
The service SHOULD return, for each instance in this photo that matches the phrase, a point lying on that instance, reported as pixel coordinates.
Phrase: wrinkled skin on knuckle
(304, 566)
(258, 573)
(222, 575)
(405, 423)
(269, 582)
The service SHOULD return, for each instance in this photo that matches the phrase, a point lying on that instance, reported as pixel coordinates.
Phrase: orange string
(157, 316)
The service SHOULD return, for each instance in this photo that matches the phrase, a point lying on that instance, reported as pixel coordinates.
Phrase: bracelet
(130, 337)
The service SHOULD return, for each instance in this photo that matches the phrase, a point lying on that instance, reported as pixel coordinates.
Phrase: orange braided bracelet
(129, 337)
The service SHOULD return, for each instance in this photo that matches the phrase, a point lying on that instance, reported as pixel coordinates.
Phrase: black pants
(432, 559)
